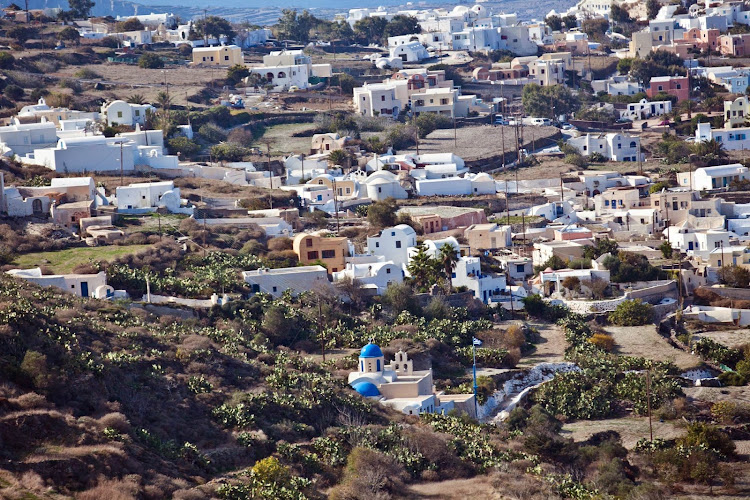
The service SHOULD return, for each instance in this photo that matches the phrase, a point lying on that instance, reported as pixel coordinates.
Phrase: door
(84, 289)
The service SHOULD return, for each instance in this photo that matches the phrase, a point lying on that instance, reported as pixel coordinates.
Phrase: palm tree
(136, 99)
(422, 268)
(337, 157)
(448, 258)
(688, 107)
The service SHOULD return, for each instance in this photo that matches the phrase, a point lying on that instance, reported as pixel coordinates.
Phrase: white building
(149, 196)
(696, 242)
(124, 113)
(86, 154)
(707, 178)
(613, 146)
(412, 52)
(646, 109)
(286, 68)
(376, 275)
(393, 244)
(468, 273)
(297, 279)
(733, 139)
(382, 185)
(470, 184)
(377, 99)
(23, 138)
(82, 285)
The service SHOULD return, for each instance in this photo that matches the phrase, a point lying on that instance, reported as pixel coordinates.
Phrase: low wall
(729, 293)
(461, 299)
(651, 294)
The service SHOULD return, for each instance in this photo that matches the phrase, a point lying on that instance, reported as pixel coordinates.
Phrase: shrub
(576, 160)
(6, 60)
(725, 412)
(603, 341)
(228, 152)
(212, 133)
(13, 92)
(632, 313)
(34, 366)
(86, 74)
(150, 61)
(183, 146)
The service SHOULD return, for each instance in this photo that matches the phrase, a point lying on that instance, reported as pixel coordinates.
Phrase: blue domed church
(398, 385)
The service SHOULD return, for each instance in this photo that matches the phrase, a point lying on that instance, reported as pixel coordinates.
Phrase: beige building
(736, 112)
(223, 55)
(69, 215)
(316, 249)
(487, 237)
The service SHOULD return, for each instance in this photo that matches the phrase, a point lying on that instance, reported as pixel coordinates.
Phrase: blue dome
(371, 351)
(366, 389)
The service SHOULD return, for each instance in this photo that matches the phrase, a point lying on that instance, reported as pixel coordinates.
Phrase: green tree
(652, 8)
(448, 258)
(554, 22)
(402, 25)
(632, 313)
(658, 186)
(214, 27)
(570, 21)
(451, 73)
(149, 60)
(711, 149)
(13, 92)
(370, 29)
(347, 83)
(69, 34)
(549, 101)
(338, 157)
(136, 99)
(423, 268)
(382, 213)
(734, 276)
(21, 33)
(666, 250)
(237, 73)
(81, 8)
(183, 146)
(595, 28)
(335, 31)
(619, 14)
(229, 152)
(400, 297)
(294, 26)
(624, 64)
(132, 24)
(6, 60)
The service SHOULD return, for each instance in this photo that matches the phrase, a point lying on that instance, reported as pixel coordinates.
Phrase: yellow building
(224, 55)
(316, 248)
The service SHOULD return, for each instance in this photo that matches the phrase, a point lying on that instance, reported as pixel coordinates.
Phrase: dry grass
(550, 349)
(456, 489)
(631, 429)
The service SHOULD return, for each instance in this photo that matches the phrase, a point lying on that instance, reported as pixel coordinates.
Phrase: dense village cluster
(392, 253)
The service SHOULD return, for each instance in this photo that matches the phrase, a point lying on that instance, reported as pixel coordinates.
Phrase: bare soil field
(550, 350)
(715, 394)
(631, 429)
(477, 142)
(284, 142)
(182, 80)
(646, 342)
(731, 338)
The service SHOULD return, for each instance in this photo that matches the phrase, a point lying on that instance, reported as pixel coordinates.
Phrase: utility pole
(302, 179)
(562, 198)
(270, 175)
(648, 405)
(502, 140)
(455, 137)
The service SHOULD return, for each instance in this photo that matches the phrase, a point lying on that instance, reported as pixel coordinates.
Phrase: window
(382, 98)
(119, 114)
(520, 268)
(619, 146)
(308, 242)
(312, 255)
(226, 58)
(137, 112)
(274, 289)
(377, 244)
(388, 271)
(329, 254)
(398, 244)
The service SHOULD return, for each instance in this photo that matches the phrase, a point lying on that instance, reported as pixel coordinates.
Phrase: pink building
(673, 85)
(735, 45)
(702, 39)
